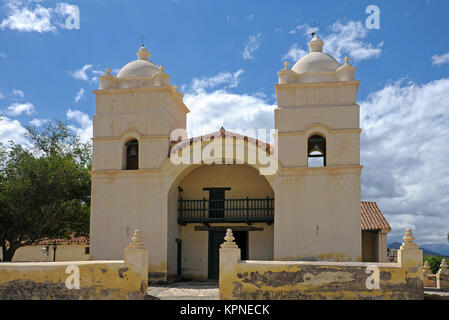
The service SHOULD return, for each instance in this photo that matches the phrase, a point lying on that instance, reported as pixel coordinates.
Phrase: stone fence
(125, 279)
(439, 280)
(282, 280)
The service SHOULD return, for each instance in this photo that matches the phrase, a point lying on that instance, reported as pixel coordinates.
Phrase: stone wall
(440, 280)
(430, 279)
(284, 280)
(126, 279)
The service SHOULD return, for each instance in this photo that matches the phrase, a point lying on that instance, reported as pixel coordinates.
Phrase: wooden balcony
(206, 211)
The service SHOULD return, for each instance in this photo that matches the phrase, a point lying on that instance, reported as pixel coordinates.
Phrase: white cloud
(349, 39)
(81, 74)
(30, 16)
(38, 122)
(18, 93)
(305, 28)
(97, 74)
(84, 125)
(86, 73)
(404, 152)
(64, 9)
(79, 95)
(213, 106)
(227, 79)
(22, 17)
(343, 39)
(12, 130)
(3, 55)
(294, 53)
(16, 109)
(250, 17)
(209, 111)
(440, 59)
(251, 46)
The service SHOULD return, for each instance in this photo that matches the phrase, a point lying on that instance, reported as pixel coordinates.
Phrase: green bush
(434, 262)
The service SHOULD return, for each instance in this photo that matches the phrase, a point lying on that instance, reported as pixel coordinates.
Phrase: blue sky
(225, 55)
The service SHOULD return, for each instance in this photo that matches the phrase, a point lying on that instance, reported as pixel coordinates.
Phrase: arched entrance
(207, 200)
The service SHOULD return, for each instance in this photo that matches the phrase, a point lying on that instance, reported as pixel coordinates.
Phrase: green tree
(434, 262)
(44, 189)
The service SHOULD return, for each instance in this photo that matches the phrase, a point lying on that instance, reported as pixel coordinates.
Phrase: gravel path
(185, 291)
(435, 294)
(209, 291)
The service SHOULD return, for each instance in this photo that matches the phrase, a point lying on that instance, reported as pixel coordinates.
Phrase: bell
(316, 148)
(133, 151)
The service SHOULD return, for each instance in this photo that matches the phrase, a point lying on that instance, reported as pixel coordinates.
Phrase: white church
(295, 212)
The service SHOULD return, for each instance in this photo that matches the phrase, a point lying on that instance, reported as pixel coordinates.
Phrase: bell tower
(317, 119)
(136, 111)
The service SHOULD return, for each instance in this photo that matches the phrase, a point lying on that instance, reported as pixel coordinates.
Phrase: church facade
(296, 199)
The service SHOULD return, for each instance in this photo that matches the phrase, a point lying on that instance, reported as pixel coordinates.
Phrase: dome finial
(316, 45)
(143, 53)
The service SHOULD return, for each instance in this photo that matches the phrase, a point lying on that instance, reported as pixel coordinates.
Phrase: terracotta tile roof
(223, 133)
(67, 241)
(372, 217)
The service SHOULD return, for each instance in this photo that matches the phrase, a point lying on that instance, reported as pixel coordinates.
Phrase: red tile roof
(223, 134)
(372, 217)
(65, 241)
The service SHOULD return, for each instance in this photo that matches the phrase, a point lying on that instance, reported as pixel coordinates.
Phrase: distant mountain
(394, 245)
(438, 247)
(428, 249)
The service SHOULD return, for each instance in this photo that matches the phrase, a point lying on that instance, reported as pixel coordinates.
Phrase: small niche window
(132, 155)
(316, 151)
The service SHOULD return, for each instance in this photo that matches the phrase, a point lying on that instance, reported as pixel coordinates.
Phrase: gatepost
(410, 258)
(443, 276)
(136, 257)
(229, 257)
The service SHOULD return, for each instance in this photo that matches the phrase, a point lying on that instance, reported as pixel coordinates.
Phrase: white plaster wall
(123, 201)
(242, 179)
(318, 215)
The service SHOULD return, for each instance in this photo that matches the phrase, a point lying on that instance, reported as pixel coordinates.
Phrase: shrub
(434, 262)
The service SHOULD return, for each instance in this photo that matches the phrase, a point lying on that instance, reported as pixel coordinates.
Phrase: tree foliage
(434, 262)
(45, 189)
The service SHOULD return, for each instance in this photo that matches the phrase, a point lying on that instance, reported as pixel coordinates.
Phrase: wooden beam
(224, 228)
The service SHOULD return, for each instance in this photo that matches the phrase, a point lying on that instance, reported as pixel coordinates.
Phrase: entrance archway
(212, 198)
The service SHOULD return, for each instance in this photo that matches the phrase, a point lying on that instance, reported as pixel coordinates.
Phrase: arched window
(316, 151)
(132, 155)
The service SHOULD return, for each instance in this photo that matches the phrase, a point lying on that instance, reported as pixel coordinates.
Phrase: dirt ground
(185, 291)
(209, 291)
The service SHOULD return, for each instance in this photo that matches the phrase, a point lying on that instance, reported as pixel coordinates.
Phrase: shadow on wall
(290, 280)
(76, 280)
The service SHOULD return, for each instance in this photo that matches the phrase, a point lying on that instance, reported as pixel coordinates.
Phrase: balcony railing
(228, 210)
